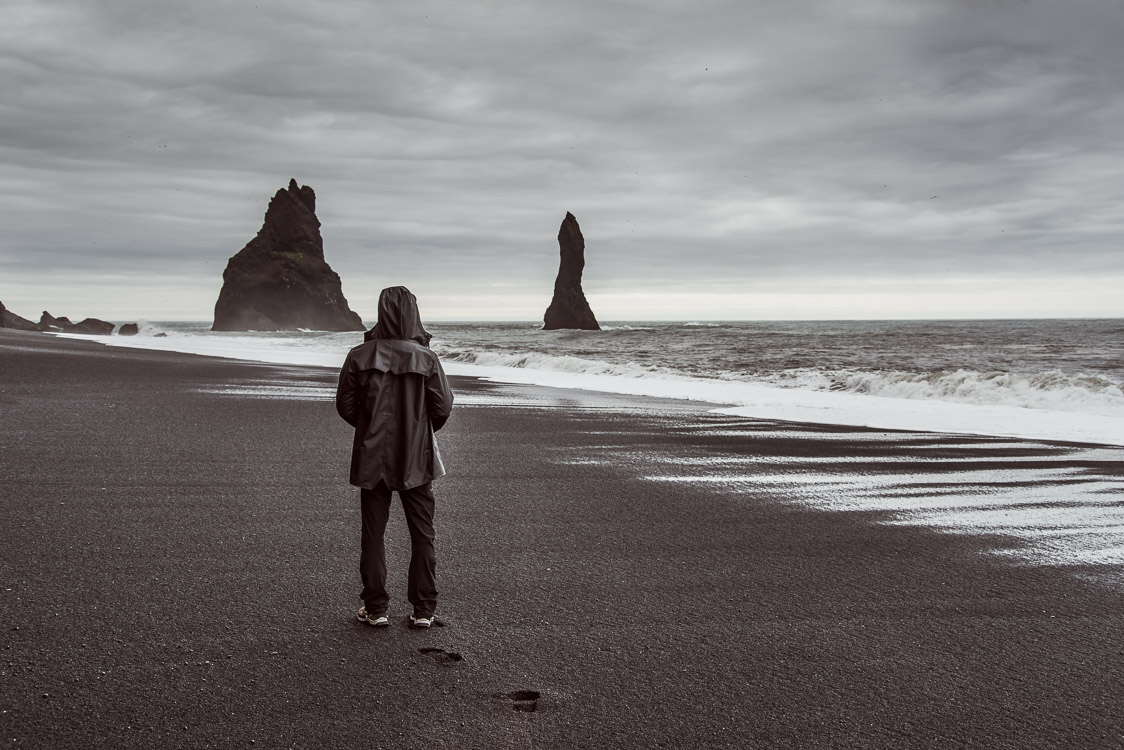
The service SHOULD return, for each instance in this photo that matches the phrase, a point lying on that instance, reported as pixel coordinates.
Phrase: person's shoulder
(403, 345)
(358, 351)
(395, 356)
(422, 353)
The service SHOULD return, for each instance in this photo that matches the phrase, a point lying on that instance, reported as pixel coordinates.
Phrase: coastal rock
(128, 329)
(569, 308)
(9, 319)
(91, 326)
(280, 281)
(49, 322)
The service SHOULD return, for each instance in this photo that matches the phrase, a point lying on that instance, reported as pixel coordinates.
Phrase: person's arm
(438, 398)
(347, 393)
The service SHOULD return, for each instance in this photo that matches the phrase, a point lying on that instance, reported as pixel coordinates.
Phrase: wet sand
(179, 569)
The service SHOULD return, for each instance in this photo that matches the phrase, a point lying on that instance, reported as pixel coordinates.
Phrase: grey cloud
(698, 144)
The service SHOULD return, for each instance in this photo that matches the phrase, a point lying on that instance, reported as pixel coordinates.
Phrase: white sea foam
(1065, 509)
(1049, 406)
(1047, 390)
(287, 391)
(762, 401)
(310, 349)
(549, 362)
(1051, 390)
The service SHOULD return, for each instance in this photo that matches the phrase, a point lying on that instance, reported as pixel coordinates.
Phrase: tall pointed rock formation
(280, 281)
(569, 308)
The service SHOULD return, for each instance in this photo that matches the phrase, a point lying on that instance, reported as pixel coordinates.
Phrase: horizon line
(529, 321)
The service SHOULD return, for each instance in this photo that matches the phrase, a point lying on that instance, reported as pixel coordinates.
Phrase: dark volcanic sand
(179, 570)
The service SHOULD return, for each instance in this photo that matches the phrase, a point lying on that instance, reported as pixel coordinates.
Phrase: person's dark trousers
(418, 504)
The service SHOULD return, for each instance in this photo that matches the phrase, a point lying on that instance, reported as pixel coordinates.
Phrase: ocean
(1043, 379)
(1035, 380)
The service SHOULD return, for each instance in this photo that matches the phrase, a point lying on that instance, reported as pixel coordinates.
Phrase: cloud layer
(725, 159)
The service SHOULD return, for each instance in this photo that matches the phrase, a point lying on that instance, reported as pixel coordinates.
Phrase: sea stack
(280, 281)
(569, 308)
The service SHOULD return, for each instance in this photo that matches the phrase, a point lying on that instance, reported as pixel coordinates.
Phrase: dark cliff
(9, 319)
(280, 281)
(569, 308)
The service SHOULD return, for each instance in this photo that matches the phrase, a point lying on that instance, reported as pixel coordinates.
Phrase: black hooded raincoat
(393, 391)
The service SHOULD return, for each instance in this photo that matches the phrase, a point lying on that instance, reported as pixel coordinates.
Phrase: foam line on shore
(1065, 511)
(757, 401)
(746, 399)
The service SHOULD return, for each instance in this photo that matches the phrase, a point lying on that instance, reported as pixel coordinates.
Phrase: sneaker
(421, 622)
(381, 621)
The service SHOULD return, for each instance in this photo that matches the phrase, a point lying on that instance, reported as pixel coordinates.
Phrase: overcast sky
(744, 159)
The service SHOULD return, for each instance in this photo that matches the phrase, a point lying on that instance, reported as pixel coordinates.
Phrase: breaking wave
(688, 365)
(1052, 390)
(551, 362)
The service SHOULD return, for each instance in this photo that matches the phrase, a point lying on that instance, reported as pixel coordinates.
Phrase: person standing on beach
(393, 391)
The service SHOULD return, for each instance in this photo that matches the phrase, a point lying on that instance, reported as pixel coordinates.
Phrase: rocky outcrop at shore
(9, 319)
(88, 326)
(51, 324)
(280, 281)
(569, 308)
(128, 329)
(48, 322)
(91, 326)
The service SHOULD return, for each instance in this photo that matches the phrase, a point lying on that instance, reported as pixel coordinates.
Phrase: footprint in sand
(524, 700)
(440, 655)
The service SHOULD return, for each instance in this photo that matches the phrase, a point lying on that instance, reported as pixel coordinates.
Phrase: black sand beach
(179, 569)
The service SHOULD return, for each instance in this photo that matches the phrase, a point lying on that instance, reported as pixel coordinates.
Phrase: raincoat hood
(398, 317)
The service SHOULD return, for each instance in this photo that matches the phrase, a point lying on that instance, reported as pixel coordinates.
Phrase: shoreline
(733, 397)
(182, 568)
(995, 493)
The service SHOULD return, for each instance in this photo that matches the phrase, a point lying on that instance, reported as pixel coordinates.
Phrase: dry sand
(179, 569)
